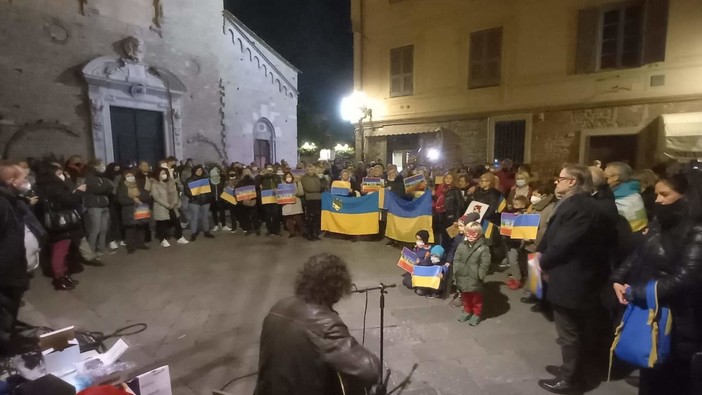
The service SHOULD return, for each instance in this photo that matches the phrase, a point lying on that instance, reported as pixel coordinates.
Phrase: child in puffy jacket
(470, 267)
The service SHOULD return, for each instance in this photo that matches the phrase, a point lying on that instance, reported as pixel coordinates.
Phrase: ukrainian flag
(427, 276)
(488, 227)
(342, 188)
(350, 215)
(228, 195)
(199, 187)
(406, 218)
(526, 226)
(268, 197)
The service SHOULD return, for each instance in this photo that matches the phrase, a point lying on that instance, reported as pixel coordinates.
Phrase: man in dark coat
(14, 279)
(574, 258)
(305, 346)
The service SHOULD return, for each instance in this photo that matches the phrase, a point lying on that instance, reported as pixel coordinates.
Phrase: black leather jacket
(673, 257)
(303, 345)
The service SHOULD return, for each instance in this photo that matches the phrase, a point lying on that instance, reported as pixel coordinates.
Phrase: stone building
(543, 82)
(139, 80)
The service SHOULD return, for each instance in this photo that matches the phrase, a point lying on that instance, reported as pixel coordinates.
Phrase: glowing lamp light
(307, 146)
(354, 107)
(325, 154)
(433, 154)
(341, 148)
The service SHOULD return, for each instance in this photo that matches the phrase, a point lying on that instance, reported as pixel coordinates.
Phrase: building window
(509, 137)
(485, 63)
(262, 152)
(402, 71)
(621, 35)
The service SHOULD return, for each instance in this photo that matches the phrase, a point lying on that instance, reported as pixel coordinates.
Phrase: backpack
(643, 337)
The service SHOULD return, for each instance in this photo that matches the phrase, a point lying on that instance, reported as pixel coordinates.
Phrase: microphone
(380, 287)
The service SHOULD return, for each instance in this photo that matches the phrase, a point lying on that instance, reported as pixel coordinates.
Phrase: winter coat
(471, 265)
(313, 187)
(648, 196)
(13, 259)
(127, 205)
(201, 199)
(545, 210)
(630, 204)
(673, 257)
(424, 256)
(453, 204)
(321, 345)
(455, 243)
(62, 196)
(491, 197)
(397, 186)
(574, 252)
(165, 196)
(98, 190)
(294, 208)
(244, 182)
(270, 182)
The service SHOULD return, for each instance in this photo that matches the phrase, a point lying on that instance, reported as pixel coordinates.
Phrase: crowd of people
(604, 233)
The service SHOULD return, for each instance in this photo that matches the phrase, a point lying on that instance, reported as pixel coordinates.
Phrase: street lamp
(355, 107)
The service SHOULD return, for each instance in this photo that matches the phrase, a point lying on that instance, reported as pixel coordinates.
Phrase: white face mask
(535, 199)
(435, 259)
(521, 183)
(129, 178)
(62, 177)
(279, 173)
(163, 177)
(320, 175)
(420, 244)
(101, 169)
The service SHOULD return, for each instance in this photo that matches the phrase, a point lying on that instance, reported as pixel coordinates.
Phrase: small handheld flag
(142, 211)
(245, 193)
(342, 188)
(526, 226)
(371, 184)
(268, 196)
(285, 194)
(228, 195)
(534, 279)
(415, 183)
(427, 276)
(407, 260)
(199, 187)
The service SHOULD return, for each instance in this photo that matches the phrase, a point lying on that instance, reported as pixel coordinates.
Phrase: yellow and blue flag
(228, 195)
(427, 276)
(406, 218)
(350, 215)
(526, 226)
(199, 187)
(268, 196)
(341, 188)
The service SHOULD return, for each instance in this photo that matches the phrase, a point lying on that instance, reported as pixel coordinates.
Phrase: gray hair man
(627, 195)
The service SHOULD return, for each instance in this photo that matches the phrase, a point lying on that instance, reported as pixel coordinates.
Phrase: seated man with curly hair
(305, 346)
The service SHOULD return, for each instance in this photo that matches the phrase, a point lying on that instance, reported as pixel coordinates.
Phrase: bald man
(14, 279)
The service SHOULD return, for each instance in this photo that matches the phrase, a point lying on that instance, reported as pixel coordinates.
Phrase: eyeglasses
(561, 179)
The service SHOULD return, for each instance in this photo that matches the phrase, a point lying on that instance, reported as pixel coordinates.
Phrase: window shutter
(655, 31)
(588, 26)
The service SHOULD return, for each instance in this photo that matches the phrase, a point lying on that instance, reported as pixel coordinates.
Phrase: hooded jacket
(98, 190)
(13, 260)
(471, 265)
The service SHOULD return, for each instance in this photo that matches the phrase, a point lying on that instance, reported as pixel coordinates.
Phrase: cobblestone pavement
(204, 304)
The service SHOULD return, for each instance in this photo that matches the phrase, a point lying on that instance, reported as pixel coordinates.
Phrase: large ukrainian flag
(406, 218)
(350, 215)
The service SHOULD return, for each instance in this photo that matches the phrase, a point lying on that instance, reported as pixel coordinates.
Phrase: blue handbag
(643, 337)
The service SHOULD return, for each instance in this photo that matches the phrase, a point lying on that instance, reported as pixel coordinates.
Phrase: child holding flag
(423, 250)
(293, 213)
(470, 266)
(516, 259)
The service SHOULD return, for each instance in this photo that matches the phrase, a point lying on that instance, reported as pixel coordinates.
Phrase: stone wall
(43, 97)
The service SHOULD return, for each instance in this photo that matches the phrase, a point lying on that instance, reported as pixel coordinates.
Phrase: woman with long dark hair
(670, 254)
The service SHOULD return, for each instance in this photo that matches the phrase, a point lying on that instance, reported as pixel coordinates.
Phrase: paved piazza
(205, 302)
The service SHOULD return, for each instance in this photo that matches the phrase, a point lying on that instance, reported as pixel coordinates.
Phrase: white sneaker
(121, 244)
(215, 228)
(182, 240)
(165, 243)
(114, 245)
(225, 228)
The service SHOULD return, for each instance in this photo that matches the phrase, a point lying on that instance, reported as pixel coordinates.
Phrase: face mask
(288, 180)
(269, 170)
(279, 173)
(62, 177)
(232, 176)
(163, 177)
(101, 169)
(420, 244)
(435, 259)
(321, 175)
(670, 215)
(535, 199)
(25, 187)
(129, 178)
(521, 183)
(254, 168)
(117, 169)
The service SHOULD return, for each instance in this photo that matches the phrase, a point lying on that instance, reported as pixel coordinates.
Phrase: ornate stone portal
(127, 81)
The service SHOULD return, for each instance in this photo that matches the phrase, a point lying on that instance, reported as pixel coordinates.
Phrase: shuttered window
(510, 140)
(621, 35)
(402, 71)
(485, 58)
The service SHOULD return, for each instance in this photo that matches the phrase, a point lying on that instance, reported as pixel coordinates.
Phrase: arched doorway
(264, 142)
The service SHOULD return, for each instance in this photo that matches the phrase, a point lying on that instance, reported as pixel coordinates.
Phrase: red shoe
(510, 281)
(515, 285)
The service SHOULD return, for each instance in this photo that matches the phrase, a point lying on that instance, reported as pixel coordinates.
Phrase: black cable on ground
(230, 382)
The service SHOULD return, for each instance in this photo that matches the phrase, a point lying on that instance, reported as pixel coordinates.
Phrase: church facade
(141, 80)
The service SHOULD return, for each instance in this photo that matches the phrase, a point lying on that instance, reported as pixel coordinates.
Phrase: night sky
(316, 37)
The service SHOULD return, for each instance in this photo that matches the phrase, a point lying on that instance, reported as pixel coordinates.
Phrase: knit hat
(437, 250)
(469, 218)
(424, 235)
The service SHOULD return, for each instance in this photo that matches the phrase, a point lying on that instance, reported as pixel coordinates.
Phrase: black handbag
(61, 220)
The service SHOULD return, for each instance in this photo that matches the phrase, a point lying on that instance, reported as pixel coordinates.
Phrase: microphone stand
(383, 290)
